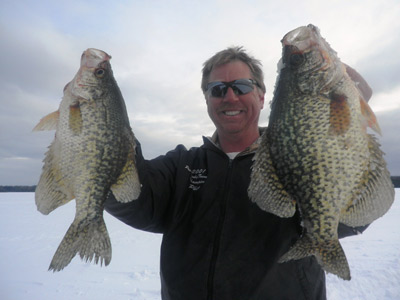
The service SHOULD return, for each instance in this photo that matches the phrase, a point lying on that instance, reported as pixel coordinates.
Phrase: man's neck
(236, 142)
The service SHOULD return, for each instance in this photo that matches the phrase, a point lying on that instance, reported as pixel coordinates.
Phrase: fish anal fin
(368, 117)
(51, 191)
(48, 122)
(127, 187)
(375, 193)
(75, 119)
(265, 188)
(340, 116)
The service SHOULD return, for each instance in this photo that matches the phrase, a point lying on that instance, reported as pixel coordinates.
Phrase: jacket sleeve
(149, 212)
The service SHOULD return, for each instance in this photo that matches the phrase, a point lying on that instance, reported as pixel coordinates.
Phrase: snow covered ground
(28, 241)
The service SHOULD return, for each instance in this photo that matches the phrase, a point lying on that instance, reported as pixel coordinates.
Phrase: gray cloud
(382, 69)
(157, 59)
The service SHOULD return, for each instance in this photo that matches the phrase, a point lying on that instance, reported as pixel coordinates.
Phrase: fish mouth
(306, 51)
(299, 43)
(303, 38)
(92, 58)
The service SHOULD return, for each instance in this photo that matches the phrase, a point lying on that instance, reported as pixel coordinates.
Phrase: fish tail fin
(90, 239)
(329, 255)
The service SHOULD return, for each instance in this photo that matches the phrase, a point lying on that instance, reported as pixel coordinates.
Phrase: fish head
(93, 76)
(310, 58)
(94, 58)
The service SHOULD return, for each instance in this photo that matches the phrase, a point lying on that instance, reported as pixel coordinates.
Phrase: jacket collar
(249, 150)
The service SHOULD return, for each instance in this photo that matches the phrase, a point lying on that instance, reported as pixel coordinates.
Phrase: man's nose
(230, 95)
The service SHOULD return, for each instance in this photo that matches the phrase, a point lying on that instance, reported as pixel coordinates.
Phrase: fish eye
(296, 59)
(100, 72)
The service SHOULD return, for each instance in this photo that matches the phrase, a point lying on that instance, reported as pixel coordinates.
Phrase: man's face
(234, 114)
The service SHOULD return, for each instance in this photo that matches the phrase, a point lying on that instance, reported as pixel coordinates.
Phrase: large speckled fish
(93, 152)
(316, 153)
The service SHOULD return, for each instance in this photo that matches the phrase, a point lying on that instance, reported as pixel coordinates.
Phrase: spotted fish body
(93, 152)
(316, 153)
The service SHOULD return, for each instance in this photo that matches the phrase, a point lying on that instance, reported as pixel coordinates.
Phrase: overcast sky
(158, 48)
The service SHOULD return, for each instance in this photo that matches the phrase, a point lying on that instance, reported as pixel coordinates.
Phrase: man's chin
(230, 130)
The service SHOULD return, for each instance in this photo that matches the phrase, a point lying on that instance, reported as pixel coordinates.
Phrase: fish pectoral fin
(340, 116)
(127, 187)
(75, 118)
(51, 191)
(265, 188)
(375, 193)
(361, 84)
(49, 122)
(368, 117)
(330, 255)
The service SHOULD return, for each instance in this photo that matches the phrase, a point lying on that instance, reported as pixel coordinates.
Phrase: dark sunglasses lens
(218, 90)
(241, 89)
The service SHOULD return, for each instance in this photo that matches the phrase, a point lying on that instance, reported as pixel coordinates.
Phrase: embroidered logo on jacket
(197, 179)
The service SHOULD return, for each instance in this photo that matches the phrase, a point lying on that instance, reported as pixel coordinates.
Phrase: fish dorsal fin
(368, 117)
(340, 116)
(48, 122)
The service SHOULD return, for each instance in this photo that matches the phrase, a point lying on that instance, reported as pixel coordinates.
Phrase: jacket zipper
(217, 240)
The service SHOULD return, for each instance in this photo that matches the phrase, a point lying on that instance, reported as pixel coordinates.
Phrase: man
(217, 244)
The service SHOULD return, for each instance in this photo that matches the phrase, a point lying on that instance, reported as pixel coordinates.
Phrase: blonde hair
(229, 55)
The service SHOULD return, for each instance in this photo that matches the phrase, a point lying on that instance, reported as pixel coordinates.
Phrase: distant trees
(17, 188)
(31, 188)
(396, 181)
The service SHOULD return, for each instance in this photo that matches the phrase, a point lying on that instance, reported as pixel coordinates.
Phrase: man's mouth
(232, 112)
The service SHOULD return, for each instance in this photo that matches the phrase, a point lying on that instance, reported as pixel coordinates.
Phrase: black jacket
(217, 244)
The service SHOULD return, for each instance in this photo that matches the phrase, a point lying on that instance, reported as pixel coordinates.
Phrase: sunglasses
(240, 87)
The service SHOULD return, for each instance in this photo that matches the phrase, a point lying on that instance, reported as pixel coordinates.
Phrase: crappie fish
(316, 153)
(93, 152)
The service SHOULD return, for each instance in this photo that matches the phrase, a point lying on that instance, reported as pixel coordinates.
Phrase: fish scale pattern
(316, 154)
(92, 154)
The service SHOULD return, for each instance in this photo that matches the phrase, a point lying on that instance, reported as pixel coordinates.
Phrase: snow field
(29, 239)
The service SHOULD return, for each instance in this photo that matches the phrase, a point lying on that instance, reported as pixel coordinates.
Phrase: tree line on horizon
(17, 188)
(31, 188)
